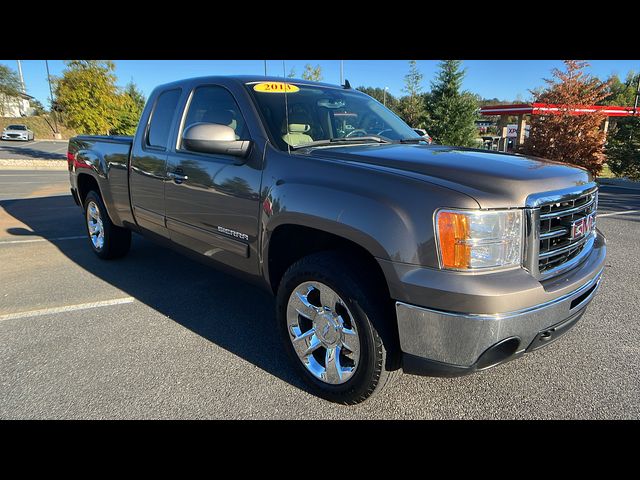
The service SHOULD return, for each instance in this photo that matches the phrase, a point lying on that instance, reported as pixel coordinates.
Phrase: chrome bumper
(459, 339)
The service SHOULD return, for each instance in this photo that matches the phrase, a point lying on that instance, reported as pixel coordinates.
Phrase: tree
(411, 107)
(623, 146)
(452, 112)
(566, 137)
(623, 149)
(38, 108)
(379, 94)
(131, 103)
(621, 93)
(292, 73)
(10, 85)
(87, 96)
(312, 73)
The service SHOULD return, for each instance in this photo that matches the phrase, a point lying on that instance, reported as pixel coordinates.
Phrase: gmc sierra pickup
(384, 253)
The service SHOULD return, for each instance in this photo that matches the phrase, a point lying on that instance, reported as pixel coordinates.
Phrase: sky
(502, 79)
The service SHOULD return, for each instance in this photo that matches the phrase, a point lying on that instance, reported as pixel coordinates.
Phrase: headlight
(475, 240)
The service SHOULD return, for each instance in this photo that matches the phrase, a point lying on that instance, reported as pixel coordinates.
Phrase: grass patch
(606, 172)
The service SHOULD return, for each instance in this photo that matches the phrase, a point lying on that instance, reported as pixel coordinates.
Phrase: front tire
(108, 241)
(332, 320)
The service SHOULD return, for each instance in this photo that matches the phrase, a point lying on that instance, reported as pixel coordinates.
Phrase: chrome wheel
(323, 332)
(96, 228)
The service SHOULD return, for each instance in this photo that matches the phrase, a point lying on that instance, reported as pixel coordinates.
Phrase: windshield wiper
(412, 140)
(333, 141)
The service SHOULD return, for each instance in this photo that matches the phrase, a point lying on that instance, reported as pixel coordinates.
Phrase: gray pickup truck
(385, 254)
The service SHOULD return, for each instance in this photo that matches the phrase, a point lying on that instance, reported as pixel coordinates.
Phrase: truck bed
(108, 157)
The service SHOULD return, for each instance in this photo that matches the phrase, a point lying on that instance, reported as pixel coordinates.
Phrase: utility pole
(384, 96)
(265, 68)
(341, 72)
(53, 113)
(24, 90)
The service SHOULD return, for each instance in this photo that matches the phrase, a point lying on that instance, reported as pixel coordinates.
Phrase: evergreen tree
(623, 149)
(411, 107)
(452, 112)
(380, 95)
(623, 146)
(566, 137)
(131, 104)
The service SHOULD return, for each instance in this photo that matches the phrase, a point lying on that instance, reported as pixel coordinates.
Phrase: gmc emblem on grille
(581, 227)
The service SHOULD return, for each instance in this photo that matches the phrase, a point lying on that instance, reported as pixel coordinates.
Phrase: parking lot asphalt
(41, 149)
(157, 335)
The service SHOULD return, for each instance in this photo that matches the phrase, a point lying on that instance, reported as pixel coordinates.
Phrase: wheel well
(290, 243)
(86, 183)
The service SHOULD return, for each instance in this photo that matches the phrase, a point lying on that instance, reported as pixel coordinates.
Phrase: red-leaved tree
(567, 137)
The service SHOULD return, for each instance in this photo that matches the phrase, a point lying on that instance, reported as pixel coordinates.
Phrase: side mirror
(214, 138)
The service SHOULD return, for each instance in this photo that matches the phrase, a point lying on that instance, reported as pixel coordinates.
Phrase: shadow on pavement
(619, 200)
(226, 311)
(31, 153)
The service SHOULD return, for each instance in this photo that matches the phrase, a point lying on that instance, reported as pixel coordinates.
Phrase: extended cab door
(212, 201)
(149, 163)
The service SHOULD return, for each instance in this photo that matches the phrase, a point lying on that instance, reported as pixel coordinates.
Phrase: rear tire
(366, 365)
(108, 241)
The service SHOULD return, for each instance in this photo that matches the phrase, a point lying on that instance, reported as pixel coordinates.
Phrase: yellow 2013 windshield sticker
(275, 87)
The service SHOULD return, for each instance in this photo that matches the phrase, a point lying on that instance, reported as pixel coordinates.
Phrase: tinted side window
(215, 105)
(161, 118)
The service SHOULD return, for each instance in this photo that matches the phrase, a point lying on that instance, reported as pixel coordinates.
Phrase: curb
(21, 164)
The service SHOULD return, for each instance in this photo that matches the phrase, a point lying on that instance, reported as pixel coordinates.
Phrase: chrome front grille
(556, 243)
(551, 246)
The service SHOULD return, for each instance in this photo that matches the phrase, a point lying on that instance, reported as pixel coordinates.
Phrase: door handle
(177, 177)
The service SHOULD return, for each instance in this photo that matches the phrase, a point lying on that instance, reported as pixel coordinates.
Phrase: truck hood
(493, 179)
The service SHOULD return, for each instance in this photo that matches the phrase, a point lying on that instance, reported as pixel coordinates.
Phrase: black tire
(371, 310)
(117, 240)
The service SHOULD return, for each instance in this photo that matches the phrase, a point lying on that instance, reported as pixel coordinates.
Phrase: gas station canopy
(551, 109)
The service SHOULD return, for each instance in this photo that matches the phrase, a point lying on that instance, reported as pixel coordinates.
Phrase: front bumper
(7, 137)
(444, 342)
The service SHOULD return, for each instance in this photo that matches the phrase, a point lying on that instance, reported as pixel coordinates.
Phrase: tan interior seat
(298, 129)
(297, 134)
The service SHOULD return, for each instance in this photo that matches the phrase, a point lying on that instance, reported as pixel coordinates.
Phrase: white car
(17, 132)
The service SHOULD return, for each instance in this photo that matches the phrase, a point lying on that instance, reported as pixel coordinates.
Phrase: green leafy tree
(379, 94)
(38, 108)
(574, 139)
(131, 104)
(312, 73)
(9, 85)
(87, 96)
(623, 149)
(411, 107)
(619, 92)
(452, 112)
(623, 146)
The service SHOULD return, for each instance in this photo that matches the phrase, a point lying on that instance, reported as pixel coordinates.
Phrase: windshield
(319, 115)
(16, 127)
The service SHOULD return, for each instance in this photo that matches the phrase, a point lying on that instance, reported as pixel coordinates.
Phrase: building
(16, 106)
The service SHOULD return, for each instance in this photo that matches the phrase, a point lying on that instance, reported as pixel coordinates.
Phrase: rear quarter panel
(106, 160)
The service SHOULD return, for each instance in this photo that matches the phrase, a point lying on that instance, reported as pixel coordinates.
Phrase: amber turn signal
(453, 234)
